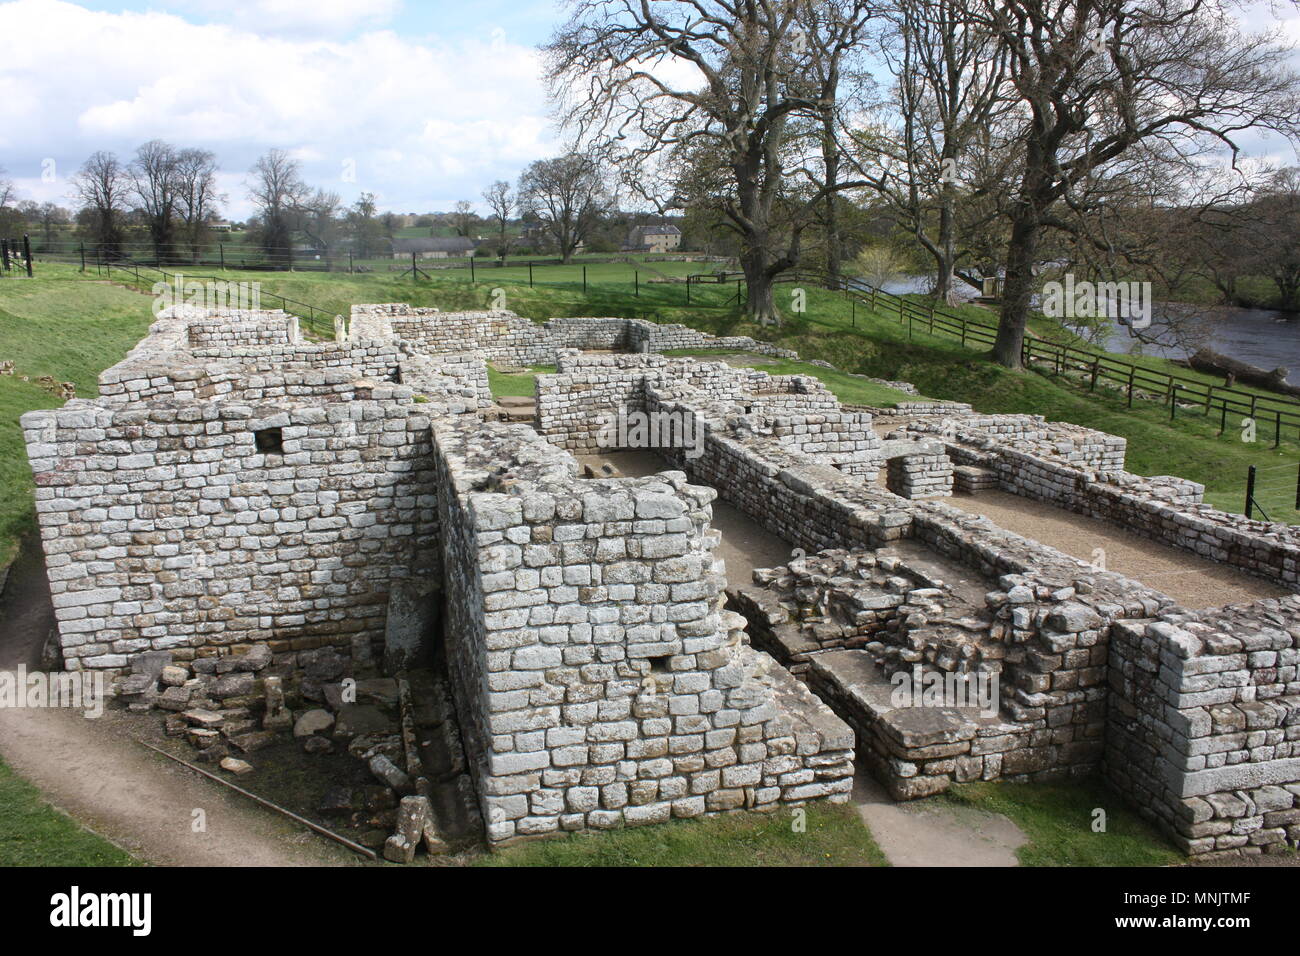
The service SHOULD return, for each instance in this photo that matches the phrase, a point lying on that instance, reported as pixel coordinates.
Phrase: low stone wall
(503, 336)
(844, 440)
(245, 329)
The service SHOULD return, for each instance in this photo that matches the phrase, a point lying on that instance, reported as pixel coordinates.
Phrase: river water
(1260, 337)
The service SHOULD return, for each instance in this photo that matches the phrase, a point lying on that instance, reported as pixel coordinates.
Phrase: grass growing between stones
(835, 836)
(32, 833)
(1058, 819)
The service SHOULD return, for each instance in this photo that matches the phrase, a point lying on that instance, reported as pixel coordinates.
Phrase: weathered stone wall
(503, 336)
(610, 688)
(813, 506)
(166, 527)
(244, 330)
(1203, 733)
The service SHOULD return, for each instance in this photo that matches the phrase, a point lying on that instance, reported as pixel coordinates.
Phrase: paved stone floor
(931, 833)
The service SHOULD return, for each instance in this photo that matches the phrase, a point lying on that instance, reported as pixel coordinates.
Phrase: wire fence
(1185, 396)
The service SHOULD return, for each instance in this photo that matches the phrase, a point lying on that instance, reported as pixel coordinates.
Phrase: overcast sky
(421, 103)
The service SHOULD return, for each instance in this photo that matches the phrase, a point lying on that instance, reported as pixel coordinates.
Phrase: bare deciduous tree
(502, 203)
(939, 154)
(101, 186)
(156, 185)
(197, 196)
(567, 196)
(277, 190)
(1097, 79)
(656, 88)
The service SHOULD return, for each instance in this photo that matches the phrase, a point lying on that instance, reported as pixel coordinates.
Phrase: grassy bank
(831, 836)
(32, 833)
(59, 325)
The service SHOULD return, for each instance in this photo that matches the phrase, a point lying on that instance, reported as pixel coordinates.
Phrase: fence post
(1131, 370)
(471, 268)
(1096, 370)
(4, 253)
(584, 280)
(1173, 402)
(349, 262)
(1250, 491)
(415, 274)
(221, 253)
(1297, 489)
(83, 257)
(1277, 424)
(636, 282)
(1223, 418)
(855, 312)
(27, 252)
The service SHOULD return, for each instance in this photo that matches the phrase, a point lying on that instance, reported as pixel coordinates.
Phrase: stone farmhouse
(238, 485)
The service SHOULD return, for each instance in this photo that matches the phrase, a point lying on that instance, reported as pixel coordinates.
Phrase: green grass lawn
(505, 385)
(1058, 820)
(32, 833)
(66, 327)
(833, 836)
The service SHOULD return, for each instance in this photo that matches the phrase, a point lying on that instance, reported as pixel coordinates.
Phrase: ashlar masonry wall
(608, 687)
(1203, 732)
(203, 527)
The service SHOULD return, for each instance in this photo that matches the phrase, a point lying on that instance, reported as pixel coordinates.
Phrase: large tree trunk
(945, 255)
(760, 302)
(1017, 290)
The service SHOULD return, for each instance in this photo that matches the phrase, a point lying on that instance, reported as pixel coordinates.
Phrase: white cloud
(416, 120)
(292, 17)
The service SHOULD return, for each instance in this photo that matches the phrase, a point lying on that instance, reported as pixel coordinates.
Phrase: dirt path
(93, 771)
(1189, 579)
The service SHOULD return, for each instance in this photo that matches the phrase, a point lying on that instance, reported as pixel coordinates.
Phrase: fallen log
(1234, 371)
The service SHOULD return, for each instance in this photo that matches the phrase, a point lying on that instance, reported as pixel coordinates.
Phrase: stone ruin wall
(1204, 724)
(503, 336)
(1050, 624)
(610, 687)
(1063, 467)
(165, 527)
(1200, 730)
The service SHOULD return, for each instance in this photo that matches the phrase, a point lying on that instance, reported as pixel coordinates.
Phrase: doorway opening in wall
(269, 441)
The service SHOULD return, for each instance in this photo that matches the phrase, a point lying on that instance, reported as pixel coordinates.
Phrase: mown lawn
(507, 385)
(1058, 818)
(833, 836)
(32, 833)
